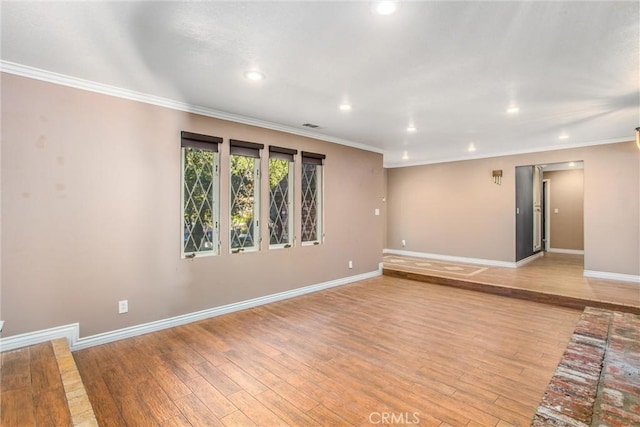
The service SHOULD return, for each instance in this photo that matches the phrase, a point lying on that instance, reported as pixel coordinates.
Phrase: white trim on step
(566, 251)
(71, 332)
(528, 259)
(611, 276)
(450, 258)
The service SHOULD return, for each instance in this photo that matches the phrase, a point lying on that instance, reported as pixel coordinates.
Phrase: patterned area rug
(429, 266)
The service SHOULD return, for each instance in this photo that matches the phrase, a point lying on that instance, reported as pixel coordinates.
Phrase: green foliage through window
(311, 202)
(243, 201)
(280, 208)
(198, 201)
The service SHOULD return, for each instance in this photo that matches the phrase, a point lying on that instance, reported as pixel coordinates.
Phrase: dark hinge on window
(288, 245)
(316, 243)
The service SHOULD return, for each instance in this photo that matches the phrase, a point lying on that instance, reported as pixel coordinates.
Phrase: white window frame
(251, 150)
(204, 143)
(288, 155)
(318, 161)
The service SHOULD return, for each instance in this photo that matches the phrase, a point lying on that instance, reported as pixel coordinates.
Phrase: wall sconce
(638, 138)
(497, 176)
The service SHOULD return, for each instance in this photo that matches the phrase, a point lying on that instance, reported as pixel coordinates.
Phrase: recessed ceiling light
(385, 7)
(571, 164)
(254, 75)
(472, 147)
(513, 109)
(411, 129)
(405, 155)
(563, 136)
(345, 107)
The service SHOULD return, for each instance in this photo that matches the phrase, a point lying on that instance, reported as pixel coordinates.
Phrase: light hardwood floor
(553, 274)
(31, 390)
(345, 356)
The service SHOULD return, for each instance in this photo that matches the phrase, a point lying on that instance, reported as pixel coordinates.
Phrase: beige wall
(91, 214)
(566, 226)
(455, 208)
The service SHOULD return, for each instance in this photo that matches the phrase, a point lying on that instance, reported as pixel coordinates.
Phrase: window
(244, 206)
(281, 197)
(200, 190)
(312, 198)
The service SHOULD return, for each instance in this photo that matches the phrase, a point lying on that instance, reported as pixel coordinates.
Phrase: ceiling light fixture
(254, 75)
(472, 147)
(411, 128)
(563, 136)
(405, 155)
(345, 107)
(572, 164)
(385, 7)
(513, 109)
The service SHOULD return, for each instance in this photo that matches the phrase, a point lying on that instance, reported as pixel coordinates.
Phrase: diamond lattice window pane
(309, 203)
(279, 198)
(242, 207)
(198, 200)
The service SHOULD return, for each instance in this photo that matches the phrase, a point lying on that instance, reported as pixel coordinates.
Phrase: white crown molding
(401, 164)
(91, 86)
(611, 276)
(489, 262)
(71, 332)
(566, 251)
(77, 83)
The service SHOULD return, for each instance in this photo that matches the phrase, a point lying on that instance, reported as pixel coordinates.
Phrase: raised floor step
(41, 386)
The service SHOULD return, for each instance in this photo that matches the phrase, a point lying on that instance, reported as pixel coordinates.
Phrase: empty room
(320, 213)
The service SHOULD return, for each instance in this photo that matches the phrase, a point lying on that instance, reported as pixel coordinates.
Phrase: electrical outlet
(350, 264)
(123, 306)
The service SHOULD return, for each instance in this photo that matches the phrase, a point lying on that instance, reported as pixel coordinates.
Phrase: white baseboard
(611, 276)
(490, 262)
(566, 251)
(71, 332)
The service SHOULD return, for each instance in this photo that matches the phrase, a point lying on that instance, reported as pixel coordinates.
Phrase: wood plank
(196, 412)
(290, 414)
(327, 418)
(157, 401)
(217, 378)
(217, 403)
(16, 407)
(51, 409)
(237, 418)
(256, 411)
(16, 370)
(240, 377)
(336, 356)
(105, 408)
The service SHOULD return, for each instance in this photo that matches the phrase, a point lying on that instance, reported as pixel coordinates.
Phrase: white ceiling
(450, 68)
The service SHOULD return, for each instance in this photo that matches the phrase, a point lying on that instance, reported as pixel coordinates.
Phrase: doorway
(544, 210)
